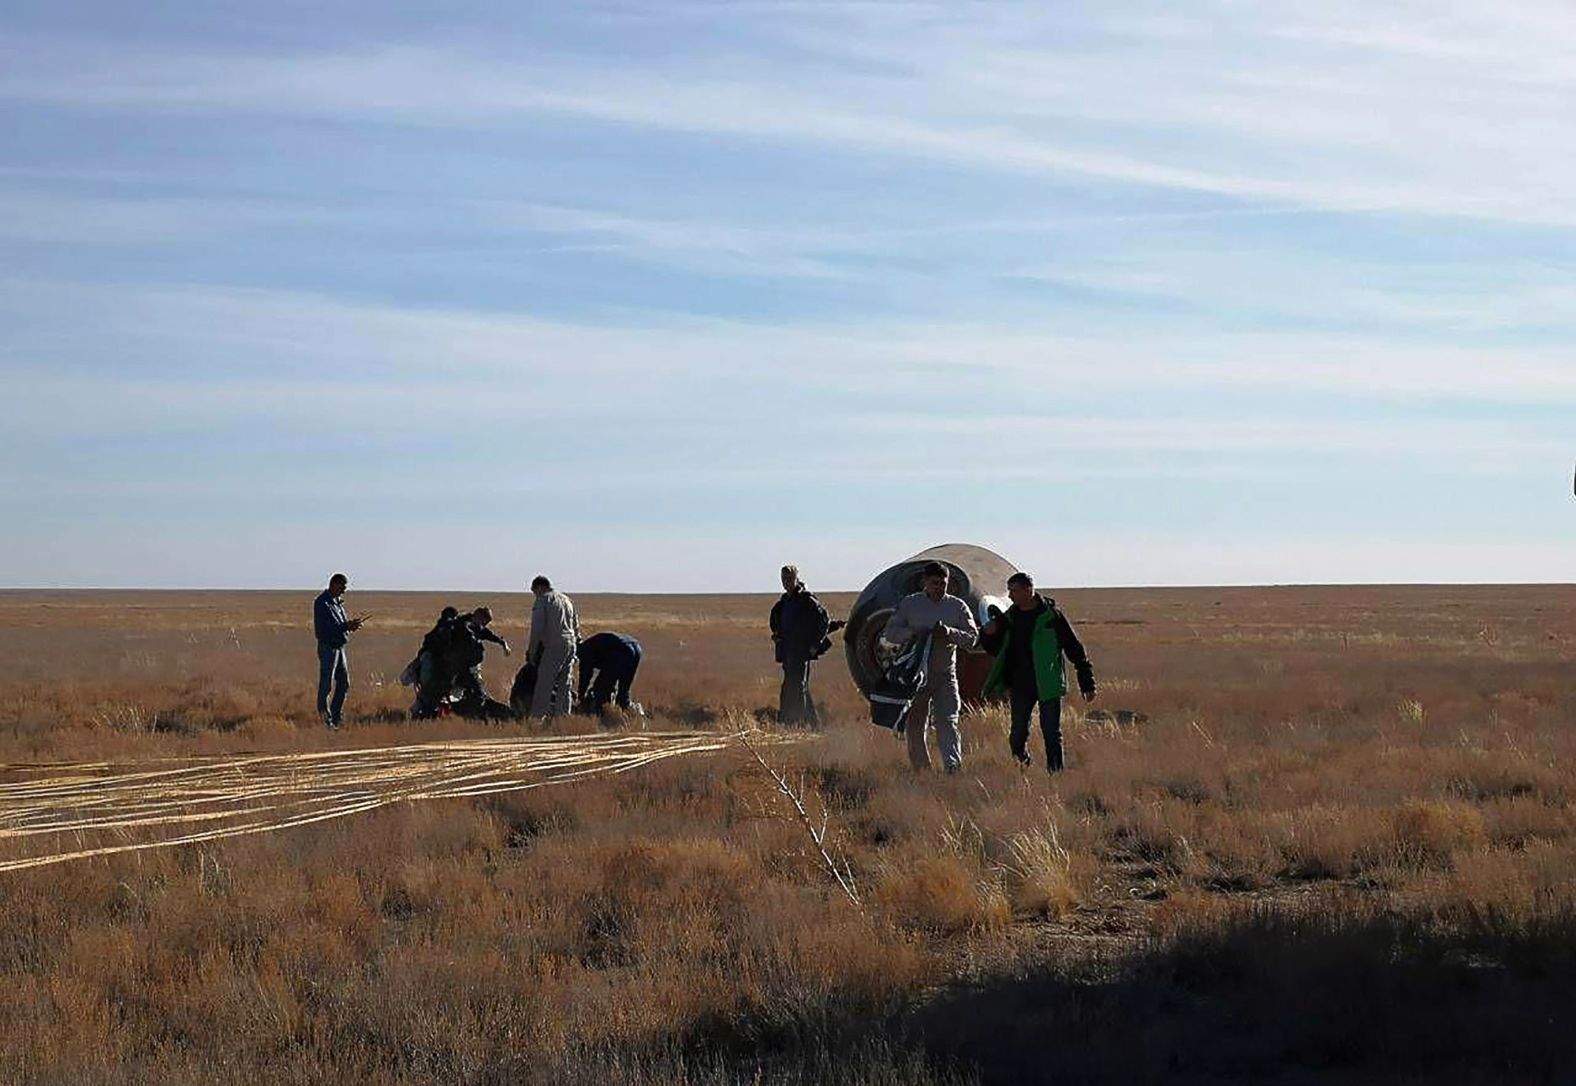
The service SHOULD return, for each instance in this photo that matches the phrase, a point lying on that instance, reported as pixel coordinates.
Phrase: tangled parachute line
(88, 809)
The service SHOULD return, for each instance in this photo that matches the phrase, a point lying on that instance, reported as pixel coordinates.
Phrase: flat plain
(1306, 834)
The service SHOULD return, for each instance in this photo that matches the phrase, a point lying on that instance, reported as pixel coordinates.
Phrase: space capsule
(978, 576)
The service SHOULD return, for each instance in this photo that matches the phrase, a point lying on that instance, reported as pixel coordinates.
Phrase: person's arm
(487, 635)
(966, 634)
(328, 624)
(776, 618)
(1073, 649)
(534, 638)
(561, 620)
(993, 635)
(898, 630)
(823, 622)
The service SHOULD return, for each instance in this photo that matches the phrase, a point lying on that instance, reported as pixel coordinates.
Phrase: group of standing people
(1031, 641)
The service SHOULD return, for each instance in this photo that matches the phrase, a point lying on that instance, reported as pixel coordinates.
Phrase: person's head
(791, 578)
(540, 584)
(933, 580)
(1020, 589)
(337, 585)
(482, 615)
(448, 614)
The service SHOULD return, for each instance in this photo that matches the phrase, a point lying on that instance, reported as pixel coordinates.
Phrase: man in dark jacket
(425, 667)
(1029, 641)
(799, 631)
(459, 666)
(608, 662)
(333, 628)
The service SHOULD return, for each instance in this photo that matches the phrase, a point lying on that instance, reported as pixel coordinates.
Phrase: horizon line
(771, 592)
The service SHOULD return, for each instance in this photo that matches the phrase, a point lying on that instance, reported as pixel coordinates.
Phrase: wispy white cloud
(701, 245)
(32, 215)
(295, 337)
(1244, 280)
(1128, 239)
(1453, 112)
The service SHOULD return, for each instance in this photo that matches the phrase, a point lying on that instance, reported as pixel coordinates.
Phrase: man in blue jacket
(608, 662)
(1029, 641)
(333, 628)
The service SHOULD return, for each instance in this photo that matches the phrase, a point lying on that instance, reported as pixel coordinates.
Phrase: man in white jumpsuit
(555, 632)
(953, 626)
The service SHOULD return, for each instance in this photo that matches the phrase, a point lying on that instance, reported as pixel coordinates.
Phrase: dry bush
(943, 894)
(1301, 786)
(1428, 833)
(1045, 879)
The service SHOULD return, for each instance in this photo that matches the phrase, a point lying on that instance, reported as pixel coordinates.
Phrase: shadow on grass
(1280, 1000)
(1268, 1000)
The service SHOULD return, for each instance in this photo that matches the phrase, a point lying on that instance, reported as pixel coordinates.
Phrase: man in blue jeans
(333, 628)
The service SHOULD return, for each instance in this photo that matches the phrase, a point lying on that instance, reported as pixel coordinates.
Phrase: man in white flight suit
(555, 632)
(952, 625)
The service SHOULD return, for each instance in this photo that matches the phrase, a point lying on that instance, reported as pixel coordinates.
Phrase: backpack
(524, 687)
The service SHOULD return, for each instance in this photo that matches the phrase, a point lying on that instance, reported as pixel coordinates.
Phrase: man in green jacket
(1029, 641)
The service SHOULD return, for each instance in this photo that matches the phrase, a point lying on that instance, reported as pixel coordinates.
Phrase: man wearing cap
(950, 624)
(555, 634)
(333, 628)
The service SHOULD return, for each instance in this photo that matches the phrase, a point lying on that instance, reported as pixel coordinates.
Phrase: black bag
(524, 687)
(900, 683)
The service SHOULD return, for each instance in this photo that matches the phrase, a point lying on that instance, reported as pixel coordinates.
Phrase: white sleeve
(968, 634)
(898, 631)
(536, 626)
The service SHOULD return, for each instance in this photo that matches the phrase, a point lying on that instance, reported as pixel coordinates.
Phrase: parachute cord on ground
(214, 797)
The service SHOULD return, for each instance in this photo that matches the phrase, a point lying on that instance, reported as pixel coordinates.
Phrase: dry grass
(1350, 805)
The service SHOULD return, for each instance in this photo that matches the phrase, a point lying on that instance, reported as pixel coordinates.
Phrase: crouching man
(946, 619)
(461, 666)
(1029, 642)
(608, 662)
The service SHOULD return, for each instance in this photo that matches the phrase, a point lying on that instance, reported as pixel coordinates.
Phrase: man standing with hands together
(333, 628)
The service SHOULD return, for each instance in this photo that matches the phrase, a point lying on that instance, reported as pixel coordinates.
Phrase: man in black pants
(799, 631)
(613, 658)
(460, 667)
(1029, 641)
(425, 667)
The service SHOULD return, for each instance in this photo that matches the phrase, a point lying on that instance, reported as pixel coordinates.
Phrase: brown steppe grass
(1330, 837)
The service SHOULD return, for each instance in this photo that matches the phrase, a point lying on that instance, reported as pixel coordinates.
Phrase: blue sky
(660, 295)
